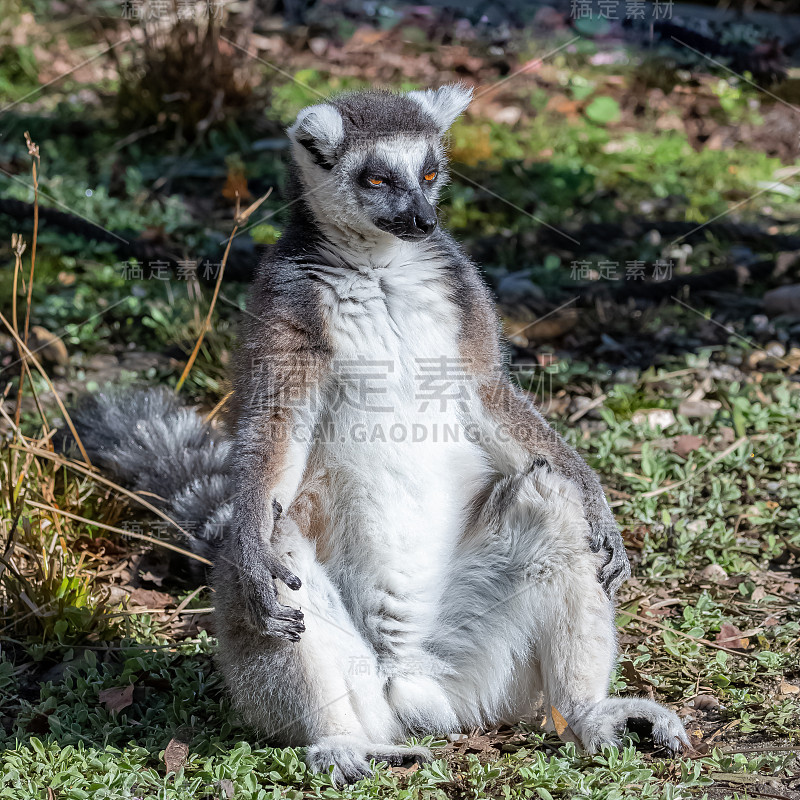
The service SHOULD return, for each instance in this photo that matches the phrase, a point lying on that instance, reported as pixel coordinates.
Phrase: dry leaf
(118, 698)
(759, 593)
(705, 702)
(685, 444)
(714, 573)
(236, 185)
(402, 771)
(175, 755)
(730, 636)
(150, 598)
(559, 722)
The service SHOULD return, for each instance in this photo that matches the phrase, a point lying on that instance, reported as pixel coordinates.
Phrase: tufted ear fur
(319, 130)
(443, 105)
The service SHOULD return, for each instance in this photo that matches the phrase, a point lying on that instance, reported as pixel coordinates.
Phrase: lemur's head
(372, 163)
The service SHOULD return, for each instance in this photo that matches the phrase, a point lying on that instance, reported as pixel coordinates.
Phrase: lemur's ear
(319, 129)
(443, 105)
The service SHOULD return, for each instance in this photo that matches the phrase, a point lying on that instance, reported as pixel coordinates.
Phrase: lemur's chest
(395, 339)
(399, 395)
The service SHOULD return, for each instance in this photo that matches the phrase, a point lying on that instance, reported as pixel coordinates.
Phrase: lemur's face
(373, 164)
(396, 184)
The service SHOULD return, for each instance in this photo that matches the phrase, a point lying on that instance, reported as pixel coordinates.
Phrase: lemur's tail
(148, 442)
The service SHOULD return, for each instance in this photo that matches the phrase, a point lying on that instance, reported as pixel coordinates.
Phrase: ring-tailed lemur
(409, 547)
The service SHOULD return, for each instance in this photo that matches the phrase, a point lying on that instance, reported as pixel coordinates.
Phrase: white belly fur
(400, 470)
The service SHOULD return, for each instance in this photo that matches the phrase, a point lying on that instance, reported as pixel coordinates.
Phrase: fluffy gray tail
(148, 442)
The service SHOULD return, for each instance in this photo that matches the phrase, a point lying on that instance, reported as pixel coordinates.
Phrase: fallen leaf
(730, 636)
(150, 598)
(226, 785)
(559, 722)
(685, 444)
(562, 728)
(402, 771)
(48, 346)
(175, 755)
(117, 698)
(705, 702)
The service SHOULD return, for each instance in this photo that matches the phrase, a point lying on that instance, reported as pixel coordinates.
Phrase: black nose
(425, 224)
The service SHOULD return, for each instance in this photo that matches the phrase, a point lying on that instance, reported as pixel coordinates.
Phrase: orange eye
(430, 176)
(375, 181)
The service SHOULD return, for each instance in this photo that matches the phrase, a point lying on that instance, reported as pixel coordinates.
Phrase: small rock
(580, 402)
(141, 362)
(705, 702)
(775, 349)
(761, 323)
(784, 300)
(47, 346)
(654, 417)
(714, 573)
(101, 361)
(626, 375)
(704, 409)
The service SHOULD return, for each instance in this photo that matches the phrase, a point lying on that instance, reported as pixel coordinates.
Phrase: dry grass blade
(122, 532)
(697, 639)
(214, 411)
(33, 151)
(41, 371)
(18, 246)
(240, 220)
(717, 458)
(74, 465)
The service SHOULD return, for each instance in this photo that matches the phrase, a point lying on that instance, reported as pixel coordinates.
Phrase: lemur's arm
(515, 433)
(280, 367)
(518, 433)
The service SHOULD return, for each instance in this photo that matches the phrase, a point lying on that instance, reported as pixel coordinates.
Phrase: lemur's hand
(262, 609)
(616, 569)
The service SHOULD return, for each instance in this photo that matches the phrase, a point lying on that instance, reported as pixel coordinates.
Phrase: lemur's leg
(527, 608)
(324, 691)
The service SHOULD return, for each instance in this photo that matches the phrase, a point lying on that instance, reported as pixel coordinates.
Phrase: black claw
(293, 582)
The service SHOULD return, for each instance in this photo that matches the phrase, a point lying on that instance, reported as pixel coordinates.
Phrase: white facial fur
(344, 208)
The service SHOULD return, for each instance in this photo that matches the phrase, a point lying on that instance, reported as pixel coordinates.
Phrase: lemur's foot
(421, 703)
(348, 759)
(616, 569)
(606, 722)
